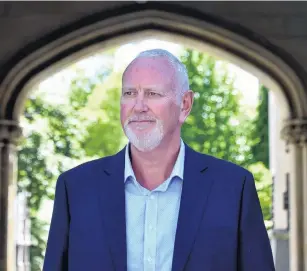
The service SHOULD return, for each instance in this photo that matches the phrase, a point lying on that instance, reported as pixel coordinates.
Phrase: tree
(212, 126)
(260, 152)
(260, 148)
(104, 133)
(52, 144)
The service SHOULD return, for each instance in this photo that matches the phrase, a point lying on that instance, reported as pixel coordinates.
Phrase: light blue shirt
(151, 218)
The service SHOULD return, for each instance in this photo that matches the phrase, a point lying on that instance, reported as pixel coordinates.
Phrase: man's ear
(187, 101)
(186, 104)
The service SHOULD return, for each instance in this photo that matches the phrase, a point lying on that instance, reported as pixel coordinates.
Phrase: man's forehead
(143, 86)
(149, 73)
(147, 80)
(152, 65)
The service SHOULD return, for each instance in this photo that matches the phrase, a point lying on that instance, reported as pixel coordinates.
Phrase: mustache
(141, 118)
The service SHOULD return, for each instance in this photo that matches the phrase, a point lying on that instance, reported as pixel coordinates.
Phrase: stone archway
(275, 69)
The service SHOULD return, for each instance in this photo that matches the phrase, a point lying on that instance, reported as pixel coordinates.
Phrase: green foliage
(54, 133)
(260, 148)
(212, 126)
(260, 153)
(104, 134)
(263, 181)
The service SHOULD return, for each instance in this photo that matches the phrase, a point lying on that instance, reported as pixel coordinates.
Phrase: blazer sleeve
(56, 257)
(255, 251)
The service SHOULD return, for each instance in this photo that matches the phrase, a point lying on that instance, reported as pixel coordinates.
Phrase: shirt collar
(177, 170)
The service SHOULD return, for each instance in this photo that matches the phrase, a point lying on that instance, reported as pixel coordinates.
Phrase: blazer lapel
(111, 189)
(195, 192)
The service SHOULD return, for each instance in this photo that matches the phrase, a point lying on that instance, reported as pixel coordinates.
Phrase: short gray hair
(181, 73)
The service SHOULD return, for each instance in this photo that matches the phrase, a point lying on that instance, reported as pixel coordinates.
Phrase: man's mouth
(141, 124)
(142, 121)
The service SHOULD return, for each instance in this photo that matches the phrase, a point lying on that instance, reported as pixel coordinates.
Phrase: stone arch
(233, 42)
(275, 68)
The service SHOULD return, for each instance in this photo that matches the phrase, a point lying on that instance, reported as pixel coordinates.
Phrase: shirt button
(151, 227)
(149, 259)
(152, 197)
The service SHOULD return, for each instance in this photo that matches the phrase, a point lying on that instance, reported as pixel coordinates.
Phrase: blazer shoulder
(86, 169)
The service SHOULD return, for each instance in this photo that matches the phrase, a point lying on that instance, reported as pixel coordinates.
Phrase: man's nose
(140, 104)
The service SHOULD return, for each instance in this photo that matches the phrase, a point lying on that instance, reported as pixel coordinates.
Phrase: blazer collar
(196, 188)
(198, 180)
(111, 193)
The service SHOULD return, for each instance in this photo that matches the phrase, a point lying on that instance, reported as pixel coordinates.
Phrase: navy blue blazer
(220, 225)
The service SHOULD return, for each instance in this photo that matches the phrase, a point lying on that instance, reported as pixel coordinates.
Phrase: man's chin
(143, 146)
(145, 149)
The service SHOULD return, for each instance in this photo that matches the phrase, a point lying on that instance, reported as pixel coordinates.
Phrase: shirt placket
(150, 232)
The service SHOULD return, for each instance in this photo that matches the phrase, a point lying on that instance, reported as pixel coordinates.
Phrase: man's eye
(128, 93)
(154, 94)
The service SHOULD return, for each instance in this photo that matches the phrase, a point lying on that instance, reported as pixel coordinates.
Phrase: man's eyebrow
(129, 88)
(146, 88)
(149, 88)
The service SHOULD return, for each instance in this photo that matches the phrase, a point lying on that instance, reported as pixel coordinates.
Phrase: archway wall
(282, 23)
(48, 24)
(256, 56)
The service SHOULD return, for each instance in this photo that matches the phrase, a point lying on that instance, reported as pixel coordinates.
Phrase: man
(157, 204)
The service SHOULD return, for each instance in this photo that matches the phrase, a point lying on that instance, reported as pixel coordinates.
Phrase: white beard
(146, 141)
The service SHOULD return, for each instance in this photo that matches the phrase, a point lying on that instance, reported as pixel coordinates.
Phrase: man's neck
(152, 168)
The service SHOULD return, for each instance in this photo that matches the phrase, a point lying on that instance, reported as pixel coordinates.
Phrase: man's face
(149, 109)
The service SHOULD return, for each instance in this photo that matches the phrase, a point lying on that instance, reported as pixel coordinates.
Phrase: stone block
(296, 26)
(22, 9)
